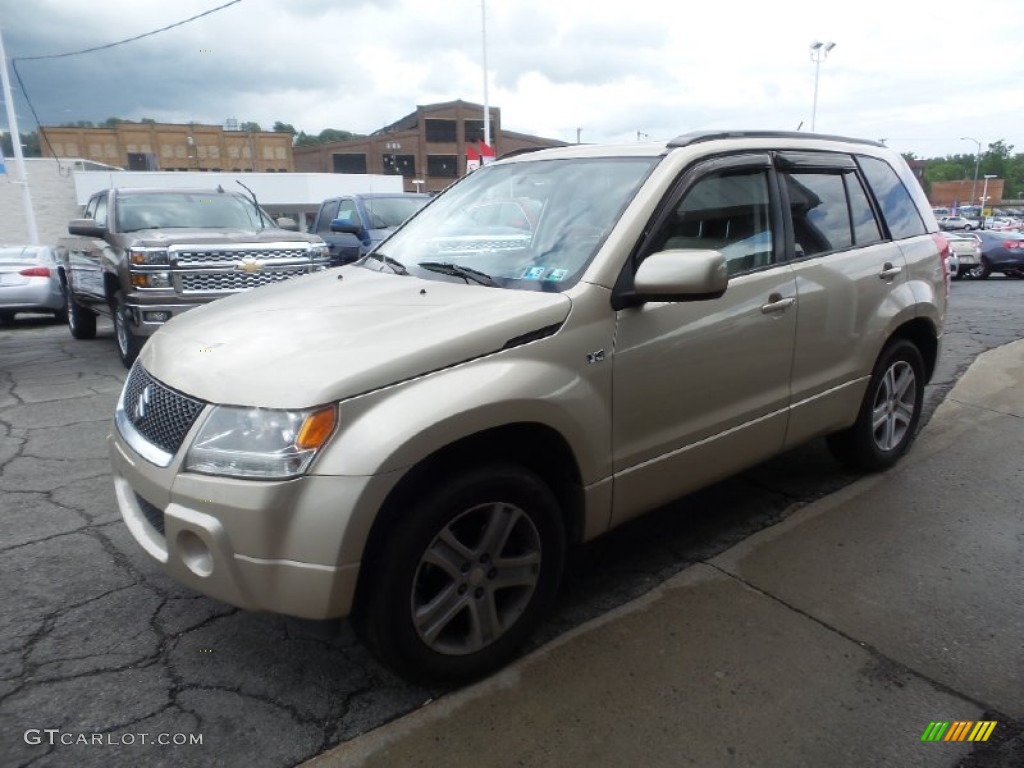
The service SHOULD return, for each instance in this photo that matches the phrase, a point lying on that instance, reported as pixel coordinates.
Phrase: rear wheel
(81, 321)
(128, 344)
(464, 576)
(980, 272)
(890, 412)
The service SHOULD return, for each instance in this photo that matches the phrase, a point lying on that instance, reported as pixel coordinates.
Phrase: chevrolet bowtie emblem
(249, 264)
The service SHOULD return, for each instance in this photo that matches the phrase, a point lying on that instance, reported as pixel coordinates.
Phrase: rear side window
(330, 212)
(821, 217)
(898, 207)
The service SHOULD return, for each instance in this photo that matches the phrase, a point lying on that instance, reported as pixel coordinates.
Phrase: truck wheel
(128, 344)
(81, 321)
(889, 414)
(463, 576)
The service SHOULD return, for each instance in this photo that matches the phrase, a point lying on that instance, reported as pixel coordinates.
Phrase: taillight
(1007, 244)
(35, 272)
(943, 245)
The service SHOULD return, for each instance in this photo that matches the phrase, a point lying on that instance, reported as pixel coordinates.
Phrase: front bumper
(285, 547)
(145, 319)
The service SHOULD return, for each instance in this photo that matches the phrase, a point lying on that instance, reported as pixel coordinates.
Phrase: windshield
(180, 210)
(533, 225)
(387, 212)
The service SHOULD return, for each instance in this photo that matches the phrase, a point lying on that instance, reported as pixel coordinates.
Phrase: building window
(349, 162)
(474, 130)
(440, 131)
(443, 165)
(403, 165)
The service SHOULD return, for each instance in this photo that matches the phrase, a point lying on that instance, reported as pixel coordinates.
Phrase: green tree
(250, 127)
(113, 122)
(29, 144)
(280, 127)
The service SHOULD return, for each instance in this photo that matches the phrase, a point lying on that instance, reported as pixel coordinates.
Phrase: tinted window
(330, 212)
(475, 130)
(728, 211)
(897, 206)
(442, 165)
(865, 226)
(442, 131)
(354, 162)
(821, 217)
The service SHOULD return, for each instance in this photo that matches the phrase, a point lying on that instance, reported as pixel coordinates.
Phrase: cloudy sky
(918, 75)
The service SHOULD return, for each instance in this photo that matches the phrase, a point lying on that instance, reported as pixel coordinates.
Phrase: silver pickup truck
(142, 256)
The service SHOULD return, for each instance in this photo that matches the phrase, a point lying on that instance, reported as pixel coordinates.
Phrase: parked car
(964, 253)
(143, 256)
(1000, 252)
(957, 222)
(29, 282)
(352, 225)
(415, 440)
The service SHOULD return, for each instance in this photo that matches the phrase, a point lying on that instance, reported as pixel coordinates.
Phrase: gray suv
(561, 341)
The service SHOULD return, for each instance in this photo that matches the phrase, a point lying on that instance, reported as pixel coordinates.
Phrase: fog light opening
(195, 554)
(156, 317)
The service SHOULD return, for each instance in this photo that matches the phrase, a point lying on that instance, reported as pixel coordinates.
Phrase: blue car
(1000, 252)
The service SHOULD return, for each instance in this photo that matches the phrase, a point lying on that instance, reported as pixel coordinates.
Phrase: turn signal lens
(317, 428)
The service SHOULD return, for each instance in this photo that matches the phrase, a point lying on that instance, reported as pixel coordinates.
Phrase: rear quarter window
(898, 208)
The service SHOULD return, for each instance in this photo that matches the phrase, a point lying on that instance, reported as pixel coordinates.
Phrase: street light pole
(819, 52)
(984, 196)
(977, 162)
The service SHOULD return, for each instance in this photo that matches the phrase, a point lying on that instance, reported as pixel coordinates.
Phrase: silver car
(29, 282)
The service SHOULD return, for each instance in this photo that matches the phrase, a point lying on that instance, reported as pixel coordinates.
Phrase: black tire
(6, 318)
(81, 321)
(980, 272)
(61, 316)
(435, 562)
(128, 344)
(889, 414)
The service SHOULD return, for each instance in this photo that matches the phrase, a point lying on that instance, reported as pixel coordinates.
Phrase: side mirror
(681, 275)
(349, 227)
(86, 228)
(288, 223)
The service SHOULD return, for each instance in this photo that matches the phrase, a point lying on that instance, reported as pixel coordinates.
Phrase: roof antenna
(801, 125)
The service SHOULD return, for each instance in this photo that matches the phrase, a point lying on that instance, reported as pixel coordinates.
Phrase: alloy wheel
(894, 406)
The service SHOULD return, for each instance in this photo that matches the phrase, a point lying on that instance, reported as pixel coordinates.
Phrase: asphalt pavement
(834, 638)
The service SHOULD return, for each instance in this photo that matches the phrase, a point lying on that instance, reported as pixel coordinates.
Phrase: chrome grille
(213, 282)
(188, 257)
(163, 416)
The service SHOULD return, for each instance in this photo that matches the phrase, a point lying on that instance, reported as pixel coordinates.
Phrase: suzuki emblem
(142, 402)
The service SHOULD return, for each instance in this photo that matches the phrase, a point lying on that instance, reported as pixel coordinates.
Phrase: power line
(127, 40)
(24, 91)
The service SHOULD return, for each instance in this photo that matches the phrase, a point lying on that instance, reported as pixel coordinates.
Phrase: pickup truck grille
(197, 269)
(165, 416)
(213, 282)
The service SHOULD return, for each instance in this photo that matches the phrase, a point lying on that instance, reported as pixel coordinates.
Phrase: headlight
(321, 252)
(259, 442)
(148, 256)
(151, 279)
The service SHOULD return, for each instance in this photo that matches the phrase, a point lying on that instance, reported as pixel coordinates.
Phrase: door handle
(889, 271)
(777, 304)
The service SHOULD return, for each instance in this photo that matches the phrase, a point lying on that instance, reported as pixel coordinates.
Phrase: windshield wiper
(396, 266)
(457, 270)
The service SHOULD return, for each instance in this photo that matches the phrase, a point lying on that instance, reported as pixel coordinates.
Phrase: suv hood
(338, 333)
(167, 237)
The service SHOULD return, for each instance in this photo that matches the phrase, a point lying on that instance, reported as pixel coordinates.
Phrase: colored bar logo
(959, 730)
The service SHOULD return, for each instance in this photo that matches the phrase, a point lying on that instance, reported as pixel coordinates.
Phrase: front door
(701, 388)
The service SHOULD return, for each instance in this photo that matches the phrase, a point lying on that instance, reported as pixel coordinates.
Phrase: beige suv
(559, 342)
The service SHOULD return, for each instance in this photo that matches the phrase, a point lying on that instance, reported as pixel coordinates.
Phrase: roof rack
(696, 137)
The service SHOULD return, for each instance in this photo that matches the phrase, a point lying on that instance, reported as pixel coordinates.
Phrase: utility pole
(12, 124)
(487, 107)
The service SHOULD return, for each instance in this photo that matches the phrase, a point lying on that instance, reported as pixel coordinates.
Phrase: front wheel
(464, 576)
(889, 414)
(128, 344)
(980, 272)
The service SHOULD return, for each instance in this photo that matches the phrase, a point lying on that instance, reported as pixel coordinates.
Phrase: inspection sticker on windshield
(534, 273)
(557, 275)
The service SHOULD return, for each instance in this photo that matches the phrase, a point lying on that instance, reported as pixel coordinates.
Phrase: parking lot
(94, 640)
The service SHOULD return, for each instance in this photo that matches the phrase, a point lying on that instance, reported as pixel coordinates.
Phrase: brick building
(173, 147)
(946, 194)
(428, 145)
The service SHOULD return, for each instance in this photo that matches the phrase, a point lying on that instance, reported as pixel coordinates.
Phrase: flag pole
(487, 109)
(12, 124)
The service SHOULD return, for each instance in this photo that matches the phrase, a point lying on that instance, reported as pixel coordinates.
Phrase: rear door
(847, 270)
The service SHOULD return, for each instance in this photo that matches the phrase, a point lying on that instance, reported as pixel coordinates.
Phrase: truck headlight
(141, 256)
(260, 443)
